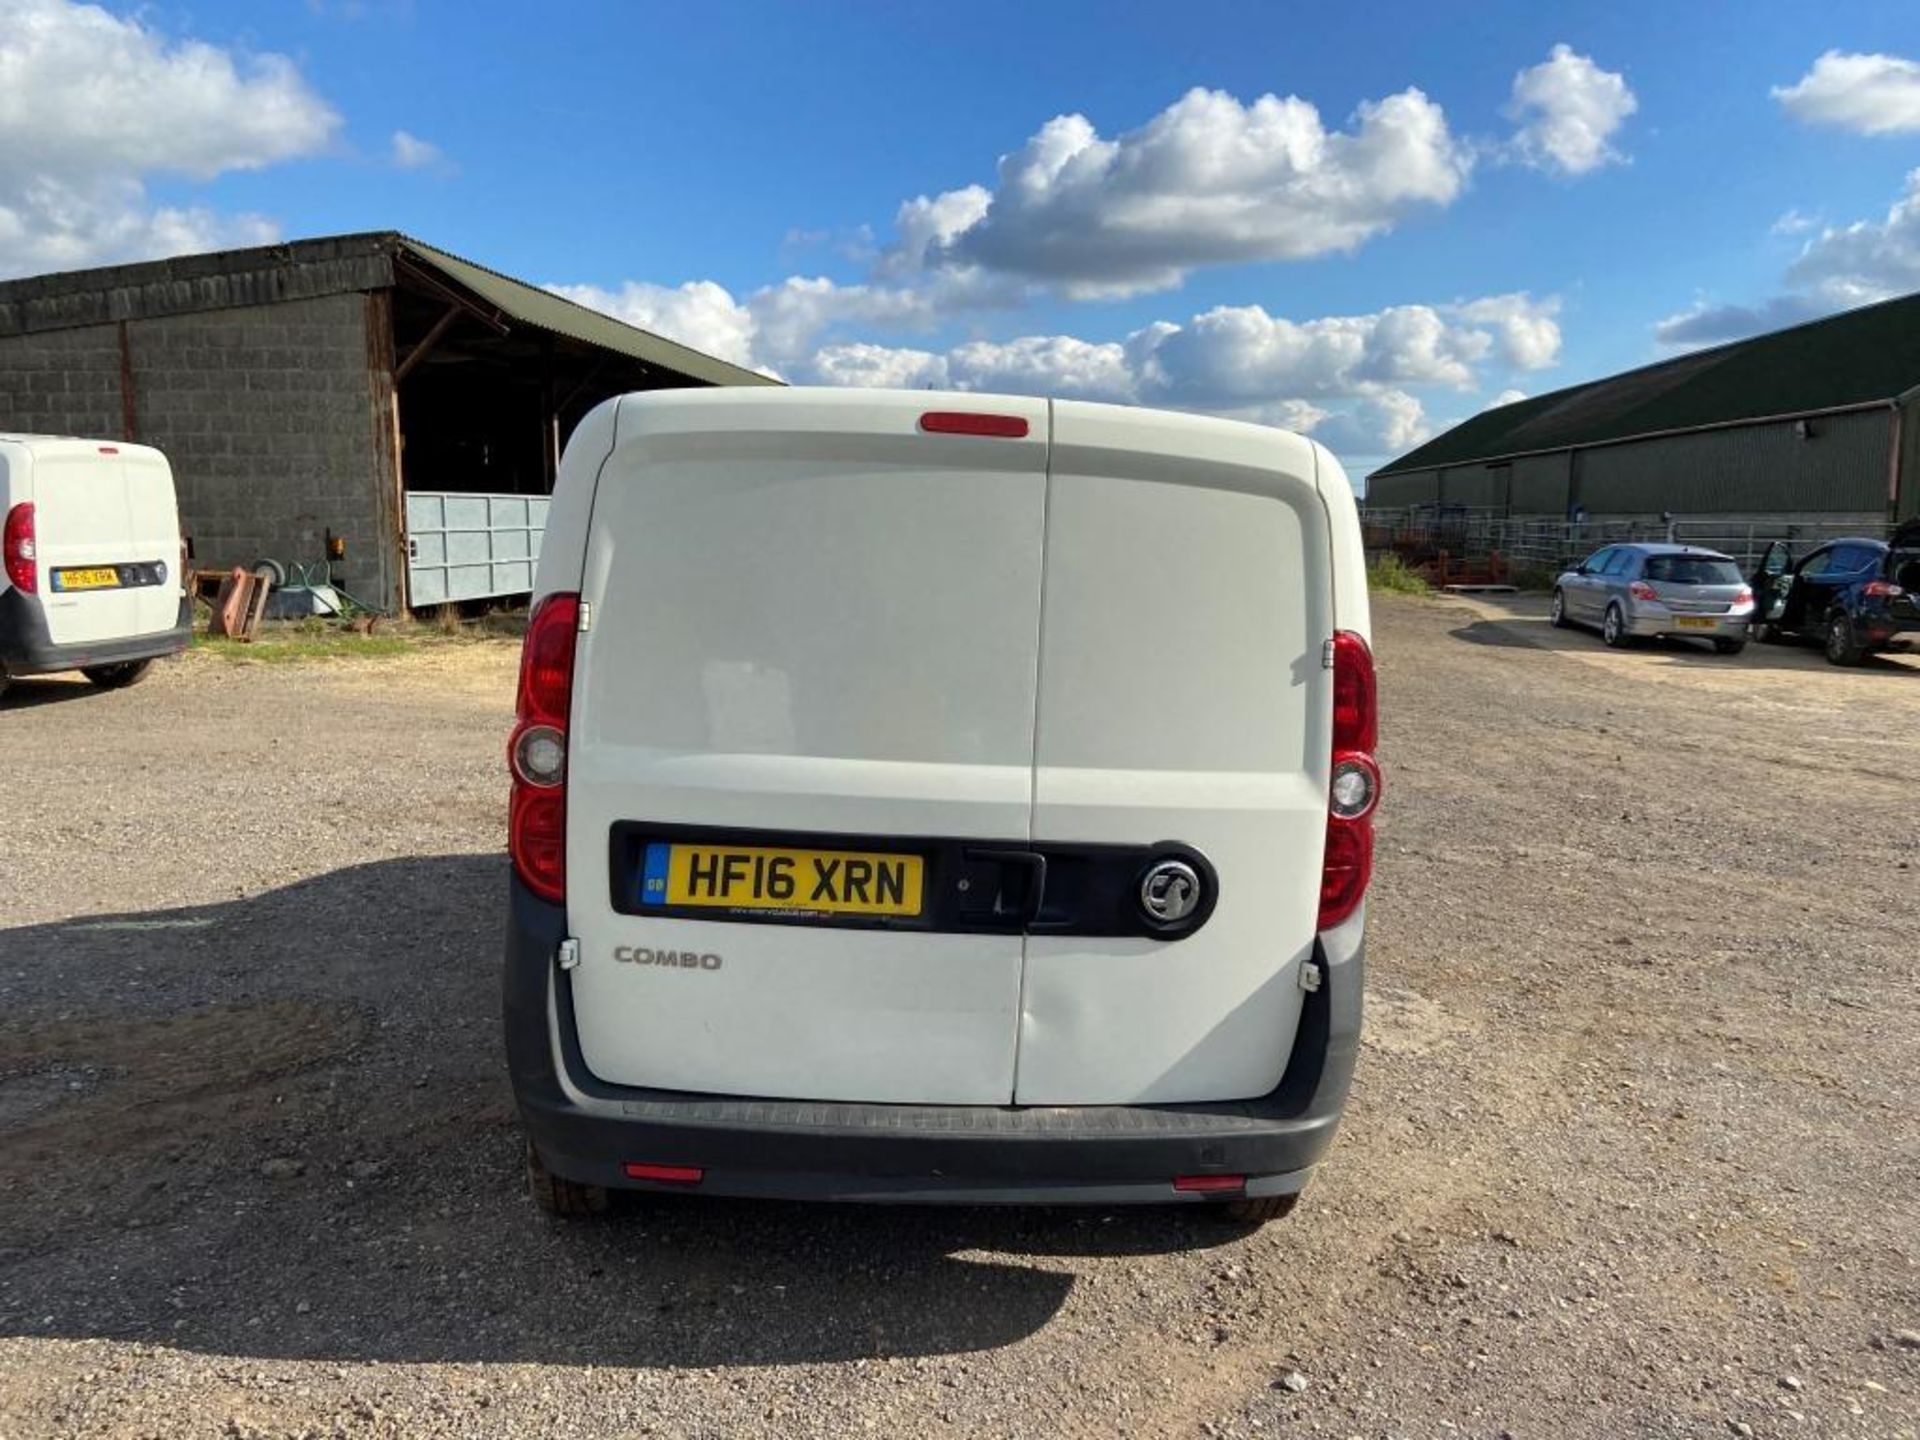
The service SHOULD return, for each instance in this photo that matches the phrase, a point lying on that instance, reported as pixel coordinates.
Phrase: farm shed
(369, 390)
(1818, 423)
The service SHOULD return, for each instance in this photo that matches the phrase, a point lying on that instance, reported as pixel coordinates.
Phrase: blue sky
(735, 175)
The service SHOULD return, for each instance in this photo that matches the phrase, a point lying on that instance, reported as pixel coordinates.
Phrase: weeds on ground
(275, 647)
(1390, 573)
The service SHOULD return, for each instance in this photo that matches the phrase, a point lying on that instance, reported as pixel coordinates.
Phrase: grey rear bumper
(26, 648)
(586, 1130)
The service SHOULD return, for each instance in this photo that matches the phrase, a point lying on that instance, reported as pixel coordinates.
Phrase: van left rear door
(813, 632)
(109, 541)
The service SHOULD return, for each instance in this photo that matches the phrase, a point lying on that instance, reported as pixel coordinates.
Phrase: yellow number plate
(1694, 622)
(98, 579)
(752, 877)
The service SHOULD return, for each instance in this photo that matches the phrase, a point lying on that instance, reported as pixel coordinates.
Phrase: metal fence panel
(1548, 543)
(467, 546)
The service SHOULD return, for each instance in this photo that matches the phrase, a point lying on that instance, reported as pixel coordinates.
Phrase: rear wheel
(1729, 647)
(1258, 1209)
(567, 1198)
(1558, 615)
(1613, 629)
(1843, 646)
(118, 677)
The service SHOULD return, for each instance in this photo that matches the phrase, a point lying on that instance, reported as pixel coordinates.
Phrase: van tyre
(1258, 1209)
(117, 677)
(1613, 629)
(568, 1199)
(1843, 646)
(1557, 616)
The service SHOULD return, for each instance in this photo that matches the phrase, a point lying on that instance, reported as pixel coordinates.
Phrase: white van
(939, 798)
(94, 571)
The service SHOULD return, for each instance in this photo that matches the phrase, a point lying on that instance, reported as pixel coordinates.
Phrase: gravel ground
(1633, 1149)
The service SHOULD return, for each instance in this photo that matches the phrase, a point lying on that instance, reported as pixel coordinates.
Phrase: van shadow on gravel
(280, 1127)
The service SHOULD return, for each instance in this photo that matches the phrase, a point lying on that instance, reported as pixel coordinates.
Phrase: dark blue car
(1854, 596)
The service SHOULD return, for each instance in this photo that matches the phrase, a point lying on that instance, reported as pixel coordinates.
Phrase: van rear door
(1183, 700)
(108, 533)
(813, 627)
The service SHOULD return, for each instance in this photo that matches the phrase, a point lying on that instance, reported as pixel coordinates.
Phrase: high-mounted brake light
(969, 422)
(1354, 788)
(537, 753)
(19, 549)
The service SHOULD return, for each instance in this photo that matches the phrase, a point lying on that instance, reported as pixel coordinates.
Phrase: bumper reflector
(1210, 1184)
(665, 1174)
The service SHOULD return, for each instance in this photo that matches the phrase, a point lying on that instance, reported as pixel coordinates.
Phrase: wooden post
(388, 479)
(549, 421)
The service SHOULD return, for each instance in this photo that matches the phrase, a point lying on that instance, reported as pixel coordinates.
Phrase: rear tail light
(1743, 601)
(18, 549)
(537, 753)
(1210, 1184)
(664, 1174)
(1354, 790)
(1640, 590)
(1885, 589)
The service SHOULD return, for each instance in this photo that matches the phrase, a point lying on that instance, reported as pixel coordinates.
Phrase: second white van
(939, 798)
(93, 564)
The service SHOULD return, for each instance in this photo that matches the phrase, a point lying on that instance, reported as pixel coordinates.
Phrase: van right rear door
(1184, 701)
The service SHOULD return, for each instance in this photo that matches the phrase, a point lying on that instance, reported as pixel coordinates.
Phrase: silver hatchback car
(1638, 591)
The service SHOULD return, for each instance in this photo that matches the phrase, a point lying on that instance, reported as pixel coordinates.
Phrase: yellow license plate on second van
(782, 881)
(99, 578)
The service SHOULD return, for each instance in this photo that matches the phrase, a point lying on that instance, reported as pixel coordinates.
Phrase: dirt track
(1633, 1152)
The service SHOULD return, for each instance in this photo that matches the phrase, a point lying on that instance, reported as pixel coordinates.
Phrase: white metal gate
(471, 547)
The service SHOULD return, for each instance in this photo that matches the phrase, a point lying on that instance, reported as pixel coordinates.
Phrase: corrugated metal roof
(543, 309)
(1853, 359)
(325, 265)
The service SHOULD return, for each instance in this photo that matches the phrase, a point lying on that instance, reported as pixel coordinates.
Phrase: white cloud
(1867, 260)
(699, 313)
(1526, 336)
(1568, 110)
(1386, 423)
(1344, 376)
(779, 328)
(1840, 267)
(925, 223)
(1508, 396)
(410, 152)
(1868, 94)
(868, 366)
(1043, 364)
(1794, 222)
(1209, 180)
(92, 103)
(1240, 355)
(1705, 324)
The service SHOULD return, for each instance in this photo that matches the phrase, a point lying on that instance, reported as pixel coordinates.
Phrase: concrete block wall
(62, 382)
(265, 412)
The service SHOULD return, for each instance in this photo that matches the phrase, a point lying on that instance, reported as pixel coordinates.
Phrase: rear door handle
(1030, 863)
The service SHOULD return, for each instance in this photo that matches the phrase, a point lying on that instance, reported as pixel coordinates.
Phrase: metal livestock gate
(471, 547)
